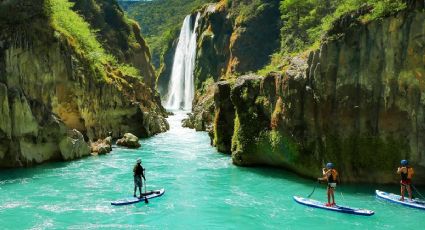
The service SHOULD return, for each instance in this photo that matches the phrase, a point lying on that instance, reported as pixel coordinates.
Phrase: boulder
(188, 122)
(101, 146)
(129, 140)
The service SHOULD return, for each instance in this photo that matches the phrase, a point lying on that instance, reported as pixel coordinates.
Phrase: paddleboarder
(330, 175)
(406, 172)
(138, 173)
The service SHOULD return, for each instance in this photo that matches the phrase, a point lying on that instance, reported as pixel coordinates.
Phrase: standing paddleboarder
(330, 175)
(406, 172)
(138, 173)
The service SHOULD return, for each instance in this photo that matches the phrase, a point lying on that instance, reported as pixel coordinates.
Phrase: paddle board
(132, 200)
(335, 208)
(415, 203)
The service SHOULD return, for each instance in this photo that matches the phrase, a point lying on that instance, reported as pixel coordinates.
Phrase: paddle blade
(146, 200)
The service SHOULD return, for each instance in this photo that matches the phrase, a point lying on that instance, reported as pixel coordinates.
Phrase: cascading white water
(181, 86)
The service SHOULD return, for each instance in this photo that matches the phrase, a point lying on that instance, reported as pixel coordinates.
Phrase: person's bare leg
(409, 190)
(333, 196)
(329, 196)
(134, 191)
(402, 193)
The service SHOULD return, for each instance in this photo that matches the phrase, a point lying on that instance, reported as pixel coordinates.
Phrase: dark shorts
(138, 181)
(405, 182)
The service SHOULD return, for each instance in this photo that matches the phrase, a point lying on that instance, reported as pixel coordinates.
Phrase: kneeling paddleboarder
(330, 175)
(138, 173)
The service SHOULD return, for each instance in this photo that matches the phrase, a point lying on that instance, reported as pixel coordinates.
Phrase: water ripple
(204, 190)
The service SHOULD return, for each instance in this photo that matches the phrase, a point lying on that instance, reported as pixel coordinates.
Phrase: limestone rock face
(165, 70)
(49, 90)
(129, 140)
(203, 110)
(231, 43)
(74, 146)
(357, 101)
(108, 18)
(154, 123)
(224, 117)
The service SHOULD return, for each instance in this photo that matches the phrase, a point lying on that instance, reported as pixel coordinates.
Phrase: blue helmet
(404, 162)
(330, 165)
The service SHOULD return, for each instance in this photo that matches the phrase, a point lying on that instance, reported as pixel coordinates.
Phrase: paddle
(146, 199)
(342, 197)
(417, 191)
(315, 185)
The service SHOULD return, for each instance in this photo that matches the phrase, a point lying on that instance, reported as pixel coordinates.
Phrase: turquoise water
(203, 191)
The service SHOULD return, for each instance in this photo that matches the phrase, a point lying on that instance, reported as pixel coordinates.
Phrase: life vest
(408, 175)
(332, 178)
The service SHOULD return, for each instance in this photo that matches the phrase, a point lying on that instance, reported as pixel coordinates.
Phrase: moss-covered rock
(50, 83)
(120, 35)
(234, 39)
(356, 102)
(224, 117)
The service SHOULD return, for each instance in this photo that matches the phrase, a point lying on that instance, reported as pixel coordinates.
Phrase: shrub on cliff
(305, 21)
(73, 27)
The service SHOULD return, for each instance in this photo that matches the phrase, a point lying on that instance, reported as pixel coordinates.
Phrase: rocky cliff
(356, 101)
(121, 36)
(50, 85)
(234, 38)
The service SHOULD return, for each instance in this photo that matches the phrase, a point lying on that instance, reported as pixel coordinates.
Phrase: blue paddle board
(415, 203)
(335, 208)
(132, 200)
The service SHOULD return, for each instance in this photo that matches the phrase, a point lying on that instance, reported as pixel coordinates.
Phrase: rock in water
(129, 140)
(101, 146)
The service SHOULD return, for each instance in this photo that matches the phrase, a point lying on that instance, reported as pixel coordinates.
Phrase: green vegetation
(71, 26)
(161, 20)
(306, 21)
(247, 11)
(228, 3)
(236, 145)
(129, 70)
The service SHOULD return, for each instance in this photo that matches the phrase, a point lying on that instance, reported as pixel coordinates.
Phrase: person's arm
(323, 178)
(401, 170)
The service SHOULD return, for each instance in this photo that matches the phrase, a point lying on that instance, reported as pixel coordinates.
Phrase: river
(203, 190)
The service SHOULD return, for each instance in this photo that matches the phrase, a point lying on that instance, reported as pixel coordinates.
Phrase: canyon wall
(52, 99)
(356, 101)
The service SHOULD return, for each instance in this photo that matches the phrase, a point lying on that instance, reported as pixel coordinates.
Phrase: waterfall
(181, 86)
